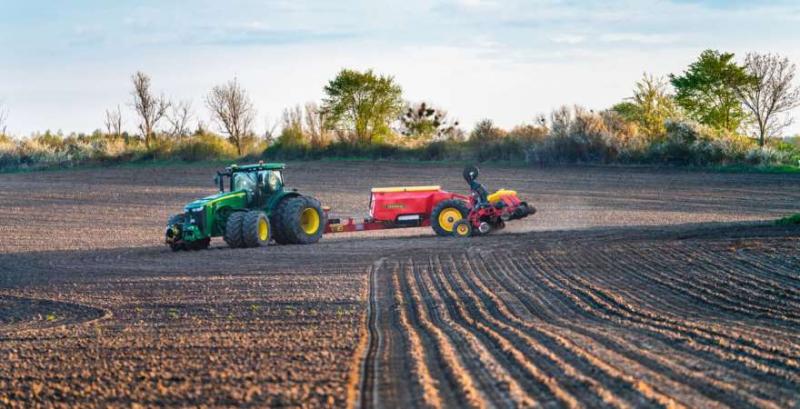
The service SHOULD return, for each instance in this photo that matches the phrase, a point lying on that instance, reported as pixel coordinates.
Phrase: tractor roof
(256, 166)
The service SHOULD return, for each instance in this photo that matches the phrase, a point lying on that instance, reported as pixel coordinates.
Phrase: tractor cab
(259, 181)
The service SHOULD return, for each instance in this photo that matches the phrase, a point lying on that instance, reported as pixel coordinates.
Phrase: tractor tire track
(367, 393)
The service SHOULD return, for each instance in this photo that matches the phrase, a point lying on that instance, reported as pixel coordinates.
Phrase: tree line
(753, 97)
(717, 110)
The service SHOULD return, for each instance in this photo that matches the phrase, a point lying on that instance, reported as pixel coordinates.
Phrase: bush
(765, 156)
(9, 158)
(689, 143)
(203, 146)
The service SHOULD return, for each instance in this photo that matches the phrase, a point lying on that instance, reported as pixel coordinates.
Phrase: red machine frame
(394, 208)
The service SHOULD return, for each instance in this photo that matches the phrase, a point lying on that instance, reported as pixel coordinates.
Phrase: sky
(64, 63)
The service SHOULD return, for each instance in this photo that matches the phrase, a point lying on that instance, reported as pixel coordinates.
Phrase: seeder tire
(446, 213)
(462, 229)
(255, 229)
(233, 230)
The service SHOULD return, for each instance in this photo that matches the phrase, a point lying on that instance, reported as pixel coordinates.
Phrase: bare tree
(149, 107)
(114, 122)
(179, 118)
(770, 94)
(319, 136)
(270, 127)
(292, 132)
(233, 111)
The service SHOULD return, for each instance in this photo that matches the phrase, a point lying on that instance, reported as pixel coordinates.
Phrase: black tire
(233, 230)
(462, 229)
(456, 204)
(295, 220)
(252, 233)
(276, 222)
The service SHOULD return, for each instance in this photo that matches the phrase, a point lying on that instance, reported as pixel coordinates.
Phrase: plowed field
(629, 288)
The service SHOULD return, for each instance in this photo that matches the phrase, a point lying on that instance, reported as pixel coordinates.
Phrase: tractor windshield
(244, 181)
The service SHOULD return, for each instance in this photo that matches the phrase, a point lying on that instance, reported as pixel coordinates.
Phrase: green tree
(650, 106)
(707, 90)
(360, 106)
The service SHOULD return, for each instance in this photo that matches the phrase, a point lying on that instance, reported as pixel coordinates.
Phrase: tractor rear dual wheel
(298, 220)
(247, 229)
(445, 215)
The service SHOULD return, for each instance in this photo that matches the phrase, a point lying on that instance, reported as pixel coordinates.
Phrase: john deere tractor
(256, 208)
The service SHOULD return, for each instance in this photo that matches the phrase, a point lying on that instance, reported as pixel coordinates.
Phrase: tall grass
(52, 150)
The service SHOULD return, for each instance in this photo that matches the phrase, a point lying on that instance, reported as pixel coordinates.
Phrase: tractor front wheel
(233, 230)
(445, 215)
(255, 229)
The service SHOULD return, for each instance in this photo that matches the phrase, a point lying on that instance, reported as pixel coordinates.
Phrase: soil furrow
(470, 393)
(560, 375)
(712, 388)
(739, 366)
(550, 333)
(697, 332)
(544, 386)
(491, 370)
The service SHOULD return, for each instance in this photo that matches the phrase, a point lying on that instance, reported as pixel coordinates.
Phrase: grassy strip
(221, 162)
(742, 168)
(789, 220)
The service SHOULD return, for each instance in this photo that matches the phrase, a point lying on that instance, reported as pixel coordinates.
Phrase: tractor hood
(219, 197)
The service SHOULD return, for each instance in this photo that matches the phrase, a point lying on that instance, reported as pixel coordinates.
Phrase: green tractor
(255, 208)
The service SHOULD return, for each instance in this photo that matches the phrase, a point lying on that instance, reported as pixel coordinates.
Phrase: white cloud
(568, 39)
(640, 38)
(477, 3)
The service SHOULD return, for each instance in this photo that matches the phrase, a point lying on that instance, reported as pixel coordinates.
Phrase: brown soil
(630, 287)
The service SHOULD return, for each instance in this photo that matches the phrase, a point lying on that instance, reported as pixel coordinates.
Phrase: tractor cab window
(272, 180)
(244, 181)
